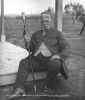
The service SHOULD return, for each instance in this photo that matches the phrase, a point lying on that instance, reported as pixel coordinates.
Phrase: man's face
(46, 21)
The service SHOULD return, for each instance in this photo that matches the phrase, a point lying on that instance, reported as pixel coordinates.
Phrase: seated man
(49, 49)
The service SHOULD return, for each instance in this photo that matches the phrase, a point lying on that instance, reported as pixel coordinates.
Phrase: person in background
(82, 19)
(80, 16)
(49, 50)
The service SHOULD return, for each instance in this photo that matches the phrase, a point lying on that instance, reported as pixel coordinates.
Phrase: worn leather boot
(16, 93)
(47, 90)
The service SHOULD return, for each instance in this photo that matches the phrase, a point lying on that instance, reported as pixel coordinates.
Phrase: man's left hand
(54, 57)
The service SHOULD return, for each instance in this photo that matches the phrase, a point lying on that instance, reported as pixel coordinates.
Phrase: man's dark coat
(53, 39)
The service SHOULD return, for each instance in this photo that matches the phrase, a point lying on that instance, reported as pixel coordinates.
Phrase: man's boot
(16, 93)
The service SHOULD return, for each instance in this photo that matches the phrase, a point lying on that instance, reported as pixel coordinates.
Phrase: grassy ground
(14, 28)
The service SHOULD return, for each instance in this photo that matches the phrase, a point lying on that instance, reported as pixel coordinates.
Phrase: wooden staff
(28, 49)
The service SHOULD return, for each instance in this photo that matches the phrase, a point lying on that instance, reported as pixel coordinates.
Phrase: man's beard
(45, 27)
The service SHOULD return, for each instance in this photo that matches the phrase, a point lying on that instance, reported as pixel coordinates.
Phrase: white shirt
(43, 50)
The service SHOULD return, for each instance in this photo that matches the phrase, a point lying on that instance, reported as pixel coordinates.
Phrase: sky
(32, 6)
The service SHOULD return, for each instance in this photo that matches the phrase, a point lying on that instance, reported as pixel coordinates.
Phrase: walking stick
(28, 49)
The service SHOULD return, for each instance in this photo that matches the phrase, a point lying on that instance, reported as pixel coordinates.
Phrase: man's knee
(55, 62)
(55, 65)
(24, 63)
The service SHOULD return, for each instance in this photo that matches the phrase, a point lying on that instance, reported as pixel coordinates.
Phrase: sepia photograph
(42, 50)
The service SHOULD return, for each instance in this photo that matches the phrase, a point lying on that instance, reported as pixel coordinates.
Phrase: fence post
(2, 22)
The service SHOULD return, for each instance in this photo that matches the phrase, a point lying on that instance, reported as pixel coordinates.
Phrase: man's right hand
(27, 38)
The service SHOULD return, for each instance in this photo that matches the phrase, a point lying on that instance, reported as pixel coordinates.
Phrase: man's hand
(54, 57)
(27, 38)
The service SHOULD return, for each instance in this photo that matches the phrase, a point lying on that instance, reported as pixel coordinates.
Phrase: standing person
(82, 19)
(80, 16)
(82, 29)
(48, 49)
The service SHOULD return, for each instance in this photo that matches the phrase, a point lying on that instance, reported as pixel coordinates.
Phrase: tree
(66, 8)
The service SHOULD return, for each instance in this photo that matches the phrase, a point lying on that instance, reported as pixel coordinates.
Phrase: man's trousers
(39, 63)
